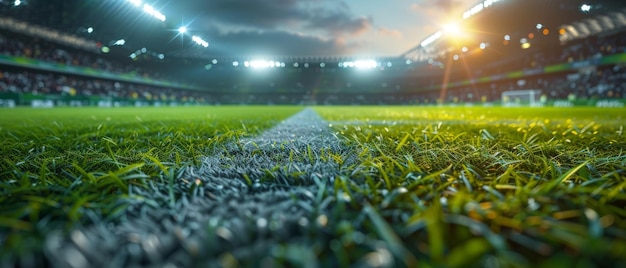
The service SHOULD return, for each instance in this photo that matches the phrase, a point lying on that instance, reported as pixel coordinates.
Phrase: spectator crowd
(588, 82)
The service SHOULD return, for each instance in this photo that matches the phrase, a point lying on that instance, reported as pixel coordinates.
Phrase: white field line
(246, 200)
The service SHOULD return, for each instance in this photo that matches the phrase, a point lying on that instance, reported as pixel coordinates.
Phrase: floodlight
(235, 63)
(200, 41)
(455, 57)
(255, 64)
(262, 64)
(507, 37)
(322, 65)
(120, 42)
(539, 26)
(155, 13)
(365, 64)
(17, 3)
(89, 30)
(161, 56)
(214, 61)
(182, 29)
(483, 45)
(585, 8)
(429, 40)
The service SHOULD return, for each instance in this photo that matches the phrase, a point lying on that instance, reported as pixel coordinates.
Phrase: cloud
(389, 32)
(267, 14)
(331, 17)
(284, 27)
(439, 7)
(257, 43)
(338, 23)
(447, 5)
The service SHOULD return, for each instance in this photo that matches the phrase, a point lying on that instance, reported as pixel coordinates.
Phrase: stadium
(267, 134)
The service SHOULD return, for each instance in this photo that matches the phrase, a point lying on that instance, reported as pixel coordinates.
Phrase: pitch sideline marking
(245, 219)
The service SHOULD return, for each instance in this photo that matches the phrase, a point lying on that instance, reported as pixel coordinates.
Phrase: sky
(374, 28)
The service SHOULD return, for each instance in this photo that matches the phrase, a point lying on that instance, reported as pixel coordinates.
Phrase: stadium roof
(514, 18)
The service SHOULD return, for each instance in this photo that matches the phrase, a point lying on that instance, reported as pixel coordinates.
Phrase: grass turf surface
(514, 186)
(58, 165)
(436, 186)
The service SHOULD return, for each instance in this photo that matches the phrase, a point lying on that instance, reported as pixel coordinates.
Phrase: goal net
(527, 97)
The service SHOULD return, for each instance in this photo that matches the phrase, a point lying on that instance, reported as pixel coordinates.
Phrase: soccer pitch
(320, 186)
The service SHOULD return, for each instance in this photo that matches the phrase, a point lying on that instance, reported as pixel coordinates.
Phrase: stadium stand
(564, 66)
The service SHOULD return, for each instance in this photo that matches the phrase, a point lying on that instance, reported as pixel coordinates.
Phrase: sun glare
(452, 29)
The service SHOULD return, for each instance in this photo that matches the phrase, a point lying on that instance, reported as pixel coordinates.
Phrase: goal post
(526, 97)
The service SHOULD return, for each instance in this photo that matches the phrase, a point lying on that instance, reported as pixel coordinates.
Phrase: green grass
(65, 166)
(470, 186)
(431, 187)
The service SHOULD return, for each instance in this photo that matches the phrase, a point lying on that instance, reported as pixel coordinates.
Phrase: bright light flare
(585, 8)
(454, 32)
(360, 64)
(137, 3)
(153, 12)
(452, 29)
(200, 41)
(120, 42)
(431, 39)
(182, 29)
(263, 64)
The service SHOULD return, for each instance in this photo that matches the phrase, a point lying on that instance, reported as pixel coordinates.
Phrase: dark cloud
(256, 43)
(337, 23)
(267, 14)
(285, 27)
(328, 16)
